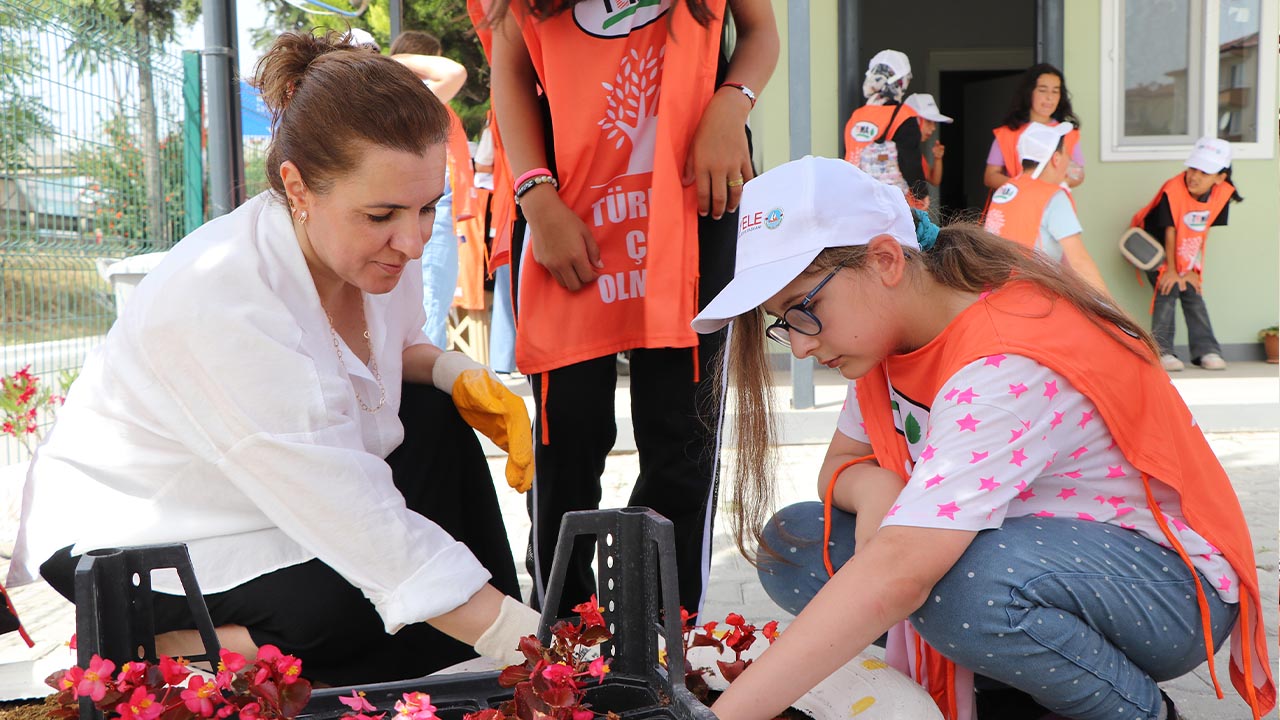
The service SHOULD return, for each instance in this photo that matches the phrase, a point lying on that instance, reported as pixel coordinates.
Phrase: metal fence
(91, 169)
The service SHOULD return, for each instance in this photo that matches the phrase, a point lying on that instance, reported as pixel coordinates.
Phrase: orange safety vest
(625, 103)
(502, 209)
(867, 123)
(1191, 219)
(1007, 139)
(472, 256)
(1017, 208)
(1148, 420)
(461, 172)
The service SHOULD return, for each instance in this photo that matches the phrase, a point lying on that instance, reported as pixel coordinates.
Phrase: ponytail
(1235, 191)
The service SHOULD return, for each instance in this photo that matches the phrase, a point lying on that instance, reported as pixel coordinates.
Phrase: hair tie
(926, 231)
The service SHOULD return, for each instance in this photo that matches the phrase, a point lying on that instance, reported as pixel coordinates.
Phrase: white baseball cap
(926, 107)
(1210, 155)
(793, 212)
(361, 38)
(896, 61)
(1039, 142)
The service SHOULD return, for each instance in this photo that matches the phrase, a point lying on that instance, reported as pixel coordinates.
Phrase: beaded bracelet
(746, 91)
(533, 182)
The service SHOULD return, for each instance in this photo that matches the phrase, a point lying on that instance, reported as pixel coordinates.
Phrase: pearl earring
(302, 218)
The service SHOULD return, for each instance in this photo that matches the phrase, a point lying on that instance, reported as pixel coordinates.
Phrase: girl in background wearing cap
(1041, 97)
(629, 183)
(928, 116)
(249, 403)
(1015, 499)
(884, 116)
(1180, 214)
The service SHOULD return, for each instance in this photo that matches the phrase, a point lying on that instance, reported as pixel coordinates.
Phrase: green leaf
(913, 429)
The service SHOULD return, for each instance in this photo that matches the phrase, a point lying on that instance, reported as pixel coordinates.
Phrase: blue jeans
(502, 326)
(1085, 617)
(440, 272)
(1200, 338)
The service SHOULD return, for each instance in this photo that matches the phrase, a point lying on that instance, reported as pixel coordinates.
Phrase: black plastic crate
(636, 582)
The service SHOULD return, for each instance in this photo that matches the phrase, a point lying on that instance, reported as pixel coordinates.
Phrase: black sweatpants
(675, 421)
(312, 612)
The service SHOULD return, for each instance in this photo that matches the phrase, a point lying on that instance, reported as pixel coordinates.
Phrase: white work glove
(501, 641)
(488, 406)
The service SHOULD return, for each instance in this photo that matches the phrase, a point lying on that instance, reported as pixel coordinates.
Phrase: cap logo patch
(1004, 193)
(864, 131)
(773, 219)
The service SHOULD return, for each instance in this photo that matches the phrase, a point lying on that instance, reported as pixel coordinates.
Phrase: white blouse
(218, 414)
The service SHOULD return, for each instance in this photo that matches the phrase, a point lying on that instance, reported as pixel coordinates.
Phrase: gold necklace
(373, 364)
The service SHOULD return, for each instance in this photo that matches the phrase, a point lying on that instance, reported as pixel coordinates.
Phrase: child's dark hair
(416, 42)
(1020, 108)
(1235, 191)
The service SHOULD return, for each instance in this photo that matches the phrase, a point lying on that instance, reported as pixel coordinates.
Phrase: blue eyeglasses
(799, 317)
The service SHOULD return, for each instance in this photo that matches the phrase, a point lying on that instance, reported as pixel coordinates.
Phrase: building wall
(1242, 259)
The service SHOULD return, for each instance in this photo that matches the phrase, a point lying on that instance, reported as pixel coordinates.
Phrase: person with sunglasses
(1000, 503)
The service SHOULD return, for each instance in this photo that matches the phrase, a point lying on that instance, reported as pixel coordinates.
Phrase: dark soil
(37, 709)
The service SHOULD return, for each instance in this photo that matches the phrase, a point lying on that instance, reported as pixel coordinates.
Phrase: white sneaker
(1212, 361)
(1171, 363)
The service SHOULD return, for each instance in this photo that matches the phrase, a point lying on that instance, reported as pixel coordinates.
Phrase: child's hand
(938, 150)
(1168, 281)
(1193, 279)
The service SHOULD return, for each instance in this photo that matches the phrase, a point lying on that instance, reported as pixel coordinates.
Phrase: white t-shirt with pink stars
(1008, 437)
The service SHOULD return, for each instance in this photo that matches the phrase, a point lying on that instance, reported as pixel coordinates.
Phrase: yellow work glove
(488, 406)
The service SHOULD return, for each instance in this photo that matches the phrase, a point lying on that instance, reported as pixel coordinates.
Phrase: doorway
(978, 99)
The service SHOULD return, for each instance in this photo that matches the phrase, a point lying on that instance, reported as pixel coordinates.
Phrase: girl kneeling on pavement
(1050, 519)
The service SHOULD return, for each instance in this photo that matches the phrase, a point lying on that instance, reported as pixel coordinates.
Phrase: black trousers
(312, 612)
(675, 420)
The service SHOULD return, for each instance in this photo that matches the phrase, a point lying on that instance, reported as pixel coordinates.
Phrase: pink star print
(1079, 451)
(988, 483)
(968, 422)
(1057, 420)
(1067, 493)
(995, 360)
(1086, 417)
(1115, 471)
(1026, 495)
(1017, 390)
(1115, 501)
(1051, 389)
(977, 457)
(1224, 583)
(927, 453)
(935, 480)
(1100, 498)
(966, 396)
(1019, 457)
(951, 394)
(864, 427)
(1043, 514)
(893, 510)
(1122, 511)
(1073, 474)
(1085, 516)
(1177, 523)
(949, 510)
(1015, 434)
(1022, 485)
(1127, 526)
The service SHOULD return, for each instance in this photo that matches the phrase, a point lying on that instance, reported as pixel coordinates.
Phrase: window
(1175, 70)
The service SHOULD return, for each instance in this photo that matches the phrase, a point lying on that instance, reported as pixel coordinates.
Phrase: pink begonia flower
(357, 702)
(598, 668)
(232, 661)
(199, 696)
(558, 674)
(93, 682)
(173, 671)
(141, 705)
(290, 669)
(70, 679)
(252, 711)
(416, 706)
(132, 674)
(583, 714)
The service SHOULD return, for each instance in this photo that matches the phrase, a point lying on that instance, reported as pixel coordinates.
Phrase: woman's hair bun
(282, 69)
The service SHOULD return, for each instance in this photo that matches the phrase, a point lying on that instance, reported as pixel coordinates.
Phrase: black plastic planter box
(636, 579)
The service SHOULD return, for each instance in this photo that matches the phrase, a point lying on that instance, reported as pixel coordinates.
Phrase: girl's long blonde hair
(966, 258)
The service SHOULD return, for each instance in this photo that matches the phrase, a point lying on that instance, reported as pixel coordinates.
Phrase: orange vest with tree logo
(867, 123)
(1007, 140)
(502, 208)
(626, 84)
(1191, 219)
(1017, 208)
(1148, 420)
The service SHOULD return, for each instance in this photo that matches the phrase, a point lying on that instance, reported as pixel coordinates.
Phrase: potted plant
(1270, 338)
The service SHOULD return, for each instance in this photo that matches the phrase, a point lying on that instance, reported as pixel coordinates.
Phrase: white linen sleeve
(849, 423)
(238, 388)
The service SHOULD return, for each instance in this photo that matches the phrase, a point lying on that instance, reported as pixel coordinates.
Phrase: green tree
(446, 19)
(25, 117)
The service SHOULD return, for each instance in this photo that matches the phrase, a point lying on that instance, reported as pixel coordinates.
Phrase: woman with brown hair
(249, 403)
(1048, 518)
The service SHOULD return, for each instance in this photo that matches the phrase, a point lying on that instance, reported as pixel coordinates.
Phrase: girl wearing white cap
(1014, 499)
(1180, 215)
(1041, 97)
(885, 118)
(928, 116)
